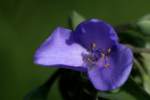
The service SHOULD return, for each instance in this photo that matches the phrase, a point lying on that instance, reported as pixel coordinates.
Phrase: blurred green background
(24, 24)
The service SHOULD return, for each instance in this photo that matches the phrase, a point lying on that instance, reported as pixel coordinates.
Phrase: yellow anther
(106, 65)
(102, 55)
(109, 50)
(89, 60)
(93, 45)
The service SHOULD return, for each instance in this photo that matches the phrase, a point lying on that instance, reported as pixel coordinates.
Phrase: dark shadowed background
(24, 24)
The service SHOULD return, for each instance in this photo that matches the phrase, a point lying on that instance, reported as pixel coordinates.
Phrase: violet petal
(95, 31)
(55, 51)
(121, 61)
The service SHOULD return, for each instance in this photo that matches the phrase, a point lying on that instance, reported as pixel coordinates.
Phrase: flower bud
(144, 24)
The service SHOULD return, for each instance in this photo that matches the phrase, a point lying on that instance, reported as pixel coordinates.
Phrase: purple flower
(93, 48)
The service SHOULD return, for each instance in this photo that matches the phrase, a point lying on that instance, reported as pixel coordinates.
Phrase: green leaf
(75, 19)
(147, 60)
(146, 76)
(41, 93)
(122, 95)
(146, 83)
(130, 91)
(128, 37)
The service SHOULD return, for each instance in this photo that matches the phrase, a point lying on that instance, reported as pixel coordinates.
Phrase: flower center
(98, 56)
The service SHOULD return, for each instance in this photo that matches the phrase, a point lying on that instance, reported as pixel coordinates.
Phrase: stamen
(109, 50)
(93, 45)
(89, 60)
(105, 59)
(106, 65)
(102, 55)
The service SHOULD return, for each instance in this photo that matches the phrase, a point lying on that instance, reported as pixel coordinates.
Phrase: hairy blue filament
(95, 55)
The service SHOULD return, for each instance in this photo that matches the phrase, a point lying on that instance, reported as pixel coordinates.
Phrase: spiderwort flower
(92, 47)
